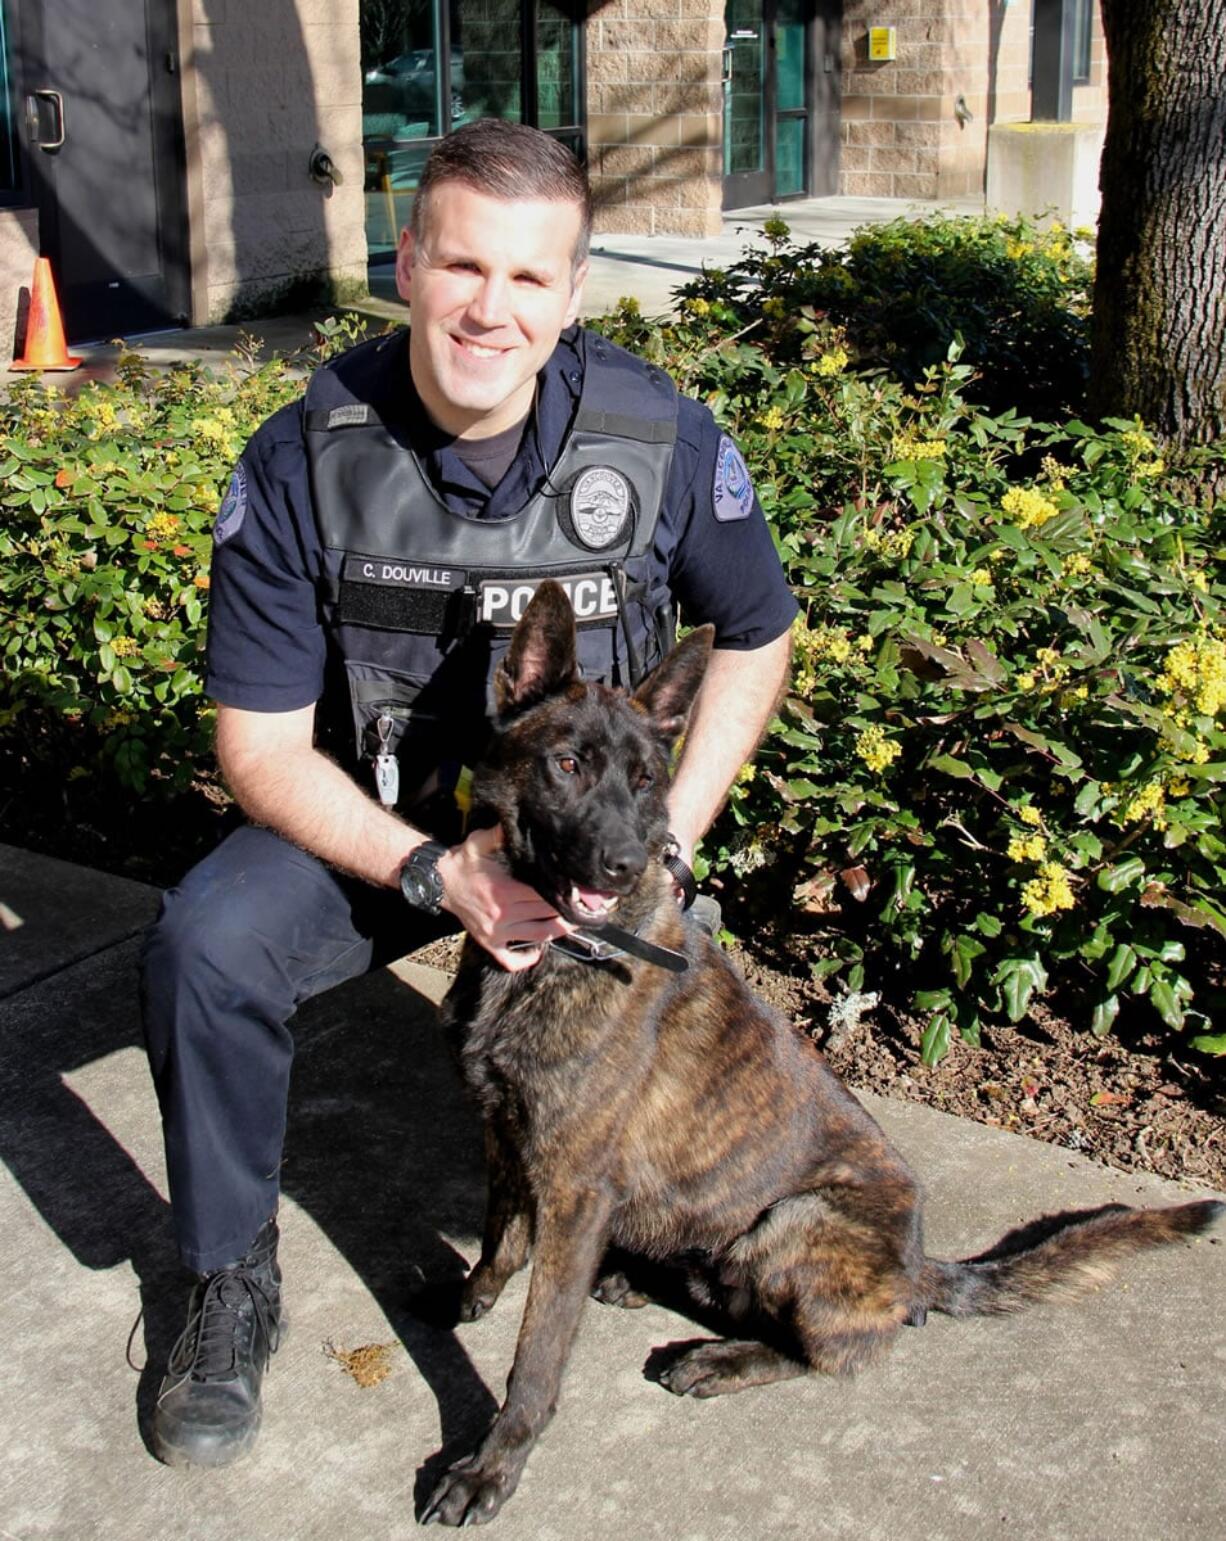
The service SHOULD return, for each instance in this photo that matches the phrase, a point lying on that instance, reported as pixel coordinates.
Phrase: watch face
(419, 880)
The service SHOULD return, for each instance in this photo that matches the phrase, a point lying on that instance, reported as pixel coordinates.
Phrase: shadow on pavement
(383, 1152)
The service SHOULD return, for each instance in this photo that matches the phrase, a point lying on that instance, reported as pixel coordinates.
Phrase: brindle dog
(671, 1114)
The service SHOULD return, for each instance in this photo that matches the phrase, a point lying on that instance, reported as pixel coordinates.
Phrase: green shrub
(108, 499)
(1000, 765)
(1017, 296)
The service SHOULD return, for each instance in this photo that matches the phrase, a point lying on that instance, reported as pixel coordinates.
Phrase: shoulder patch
(233, 507)
(732, 492)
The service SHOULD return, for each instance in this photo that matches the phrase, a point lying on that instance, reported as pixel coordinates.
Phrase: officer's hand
(495, 909)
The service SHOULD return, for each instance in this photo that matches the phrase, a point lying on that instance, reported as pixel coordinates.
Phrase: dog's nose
(623, 861)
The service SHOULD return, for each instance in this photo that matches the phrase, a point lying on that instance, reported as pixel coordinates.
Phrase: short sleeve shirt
(266, 644)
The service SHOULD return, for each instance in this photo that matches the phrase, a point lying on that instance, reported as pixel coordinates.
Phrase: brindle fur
(674, 1116)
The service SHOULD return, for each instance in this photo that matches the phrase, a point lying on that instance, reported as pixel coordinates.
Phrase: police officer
(377, 543)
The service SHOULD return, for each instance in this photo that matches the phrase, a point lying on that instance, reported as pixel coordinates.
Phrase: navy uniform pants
(252, 932)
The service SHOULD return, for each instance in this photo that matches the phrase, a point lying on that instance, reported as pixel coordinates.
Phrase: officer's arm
(738, 699)
(281, 780)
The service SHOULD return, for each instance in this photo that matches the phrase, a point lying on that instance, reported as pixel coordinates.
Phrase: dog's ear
(669, 691)
(541, 658)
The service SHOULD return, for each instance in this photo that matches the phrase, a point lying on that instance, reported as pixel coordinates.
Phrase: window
(430, 65)
(10, 153)
(1084, 21)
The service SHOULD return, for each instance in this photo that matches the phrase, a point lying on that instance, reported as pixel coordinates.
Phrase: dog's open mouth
(590, 904)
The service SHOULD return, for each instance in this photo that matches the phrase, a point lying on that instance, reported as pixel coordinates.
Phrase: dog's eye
(643, 781)
(568, 764)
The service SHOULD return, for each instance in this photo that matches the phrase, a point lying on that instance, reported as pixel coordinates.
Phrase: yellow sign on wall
(882, 43)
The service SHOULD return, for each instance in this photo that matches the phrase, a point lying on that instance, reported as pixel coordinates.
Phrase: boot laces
(225, 1308)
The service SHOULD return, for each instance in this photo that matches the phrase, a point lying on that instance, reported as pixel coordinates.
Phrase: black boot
(208, 1410)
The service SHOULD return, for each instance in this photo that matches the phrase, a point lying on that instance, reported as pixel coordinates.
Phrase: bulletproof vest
(419, 601)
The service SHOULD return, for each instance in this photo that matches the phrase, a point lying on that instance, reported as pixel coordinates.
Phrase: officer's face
(489, 288)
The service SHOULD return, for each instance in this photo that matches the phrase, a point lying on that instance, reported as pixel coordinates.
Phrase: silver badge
(600, 507)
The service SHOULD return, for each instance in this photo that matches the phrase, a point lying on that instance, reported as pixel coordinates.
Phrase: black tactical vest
(418, 601)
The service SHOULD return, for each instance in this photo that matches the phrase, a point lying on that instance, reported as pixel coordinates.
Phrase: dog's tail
(1059, 1255)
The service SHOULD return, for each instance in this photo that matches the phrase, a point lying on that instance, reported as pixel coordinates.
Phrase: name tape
(401, 575)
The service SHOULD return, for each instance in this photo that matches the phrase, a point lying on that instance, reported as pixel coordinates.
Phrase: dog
(670, 1114)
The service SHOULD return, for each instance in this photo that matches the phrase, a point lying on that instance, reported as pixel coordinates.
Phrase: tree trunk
(1159, 326)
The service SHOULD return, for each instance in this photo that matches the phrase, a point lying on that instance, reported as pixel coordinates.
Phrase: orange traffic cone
(45, 345)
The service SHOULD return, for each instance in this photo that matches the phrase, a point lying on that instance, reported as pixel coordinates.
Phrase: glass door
(748, 174)
(767, 100)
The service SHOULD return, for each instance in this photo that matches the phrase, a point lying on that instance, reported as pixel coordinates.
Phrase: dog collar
(606, 943)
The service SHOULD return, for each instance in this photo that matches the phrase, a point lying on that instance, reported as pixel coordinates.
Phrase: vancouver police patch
(732, 493)
(599, 507)
(233, 507)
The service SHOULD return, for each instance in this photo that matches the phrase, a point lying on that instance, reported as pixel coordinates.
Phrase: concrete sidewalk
(1101, 1419)
(649, 268)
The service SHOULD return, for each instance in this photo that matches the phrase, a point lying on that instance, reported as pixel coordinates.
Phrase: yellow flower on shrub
(697, 307)
(895, 544)
(1197, 668)
(1030, 815)
(981, 575)
(772, 419)
(774, 308)
(1027, 507)
(1016, 250)
(1027, 680)
(1027, 848)
(832, 363)
(877, 751)
(907, 447)
(1049, 892)
(1148, 802)
(162, 525)
(125, 647)
(1078, 563)
(1150, 467)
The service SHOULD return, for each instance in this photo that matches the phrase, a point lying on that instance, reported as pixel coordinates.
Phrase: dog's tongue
(597, 902)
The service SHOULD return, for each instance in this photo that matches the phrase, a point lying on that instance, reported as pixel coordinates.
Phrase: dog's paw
(717, 1368)
(614, 1289)
(468, 1495)
(478, 1296)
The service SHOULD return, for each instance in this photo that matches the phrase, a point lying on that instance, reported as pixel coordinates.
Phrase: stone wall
(655, 115)
(906, 130)
(262, 84)
(18, 249)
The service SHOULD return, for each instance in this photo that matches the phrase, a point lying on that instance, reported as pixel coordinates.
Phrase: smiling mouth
(590, 904)
(476, 349)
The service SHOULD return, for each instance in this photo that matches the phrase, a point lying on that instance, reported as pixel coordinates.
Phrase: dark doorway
(781, 99)
(104, 140)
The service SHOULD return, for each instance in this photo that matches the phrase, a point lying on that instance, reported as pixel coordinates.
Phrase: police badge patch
(599, 508)
(233, 507)
(732, 492)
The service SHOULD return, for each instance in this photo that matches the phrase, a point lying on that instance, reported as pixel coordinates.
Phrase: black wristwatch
(420, 882)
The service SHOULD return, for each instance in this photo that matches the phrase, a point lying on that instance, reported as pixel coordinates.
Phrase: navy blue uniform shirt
(266, 646)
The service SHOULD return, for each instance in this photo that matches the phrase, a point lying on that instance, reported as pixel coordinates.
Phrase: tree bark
(1159, 323)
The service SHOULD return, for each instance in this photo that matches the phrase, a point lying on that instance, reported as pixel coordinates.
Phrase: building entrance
(781, 94)
(100, 88)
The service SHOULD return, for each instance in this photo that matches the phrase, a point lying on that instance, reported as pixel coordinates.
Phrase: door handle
(32, 116)
(725, 74)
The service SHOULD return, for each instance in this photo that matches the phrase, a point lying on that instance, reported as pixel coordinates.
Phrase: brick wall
(655, 115)
(261, 84)
(901, 135)
(18, 249)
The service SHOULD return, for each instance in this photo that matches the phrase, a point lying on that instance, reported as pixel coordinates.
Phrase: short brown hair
(511, 161)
